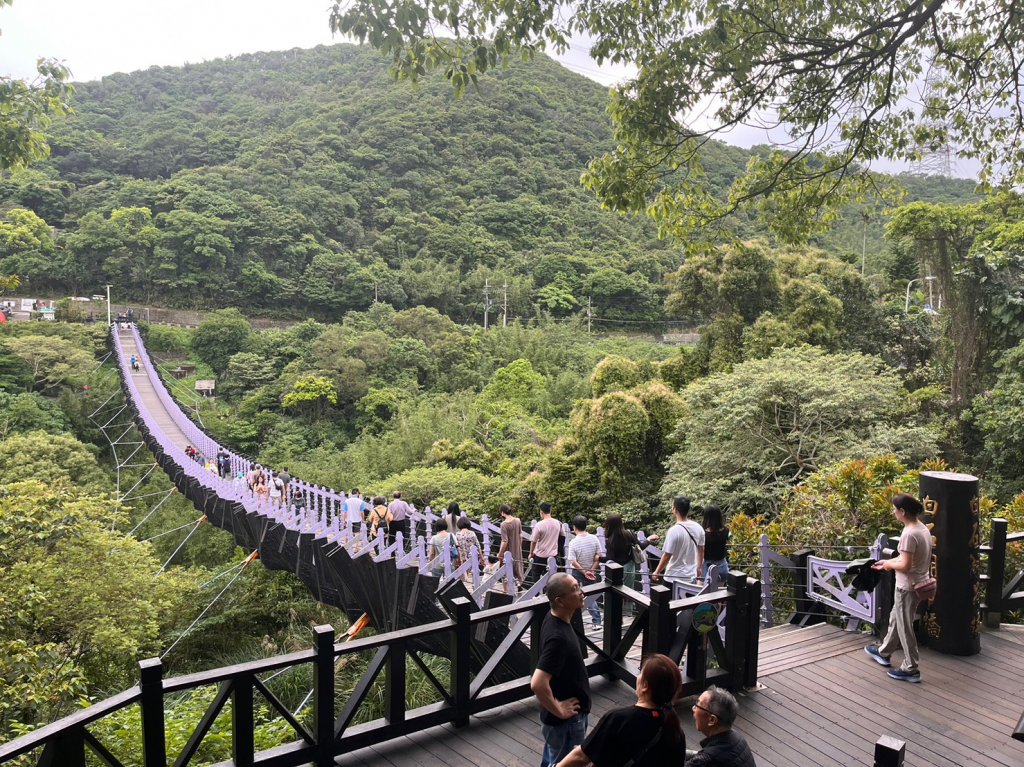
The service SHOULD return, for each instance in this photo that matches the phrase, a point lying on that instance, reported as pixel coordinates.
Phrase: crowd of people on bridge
(650, 732)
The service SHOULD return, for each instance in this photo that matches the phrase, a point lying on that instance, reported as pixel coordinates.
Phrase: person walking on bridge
(683, 555)
(543, 543)
(400, 516)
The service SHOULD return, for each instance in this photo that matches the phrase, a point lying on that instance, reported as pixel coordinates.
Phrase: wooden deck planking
(803, 646)
(825, 712)
(933, 716)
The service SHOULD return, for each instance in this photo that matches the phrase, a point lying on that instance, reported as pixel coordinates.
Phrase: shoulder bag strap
(649, 746)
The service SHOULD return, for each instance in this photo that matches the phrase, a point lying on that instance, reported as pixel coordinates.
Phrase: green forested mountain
(305, 181)
(311, 178)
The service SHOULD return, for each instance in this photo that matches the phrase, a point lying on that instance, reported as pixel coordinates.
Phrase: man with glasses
(560, 681)
(713, 714)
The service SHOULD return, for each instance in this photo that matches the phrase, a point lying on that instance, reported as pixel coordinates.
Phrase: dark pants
(399, 526)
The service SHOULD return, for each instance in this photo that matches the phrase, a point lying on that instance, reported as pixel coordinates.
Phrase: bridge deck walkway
(148, 395)
(824, 711)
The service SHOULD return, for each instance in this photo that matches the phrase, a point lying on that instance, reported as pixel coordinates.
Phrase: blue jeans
(590, 603)
(721, 564)
(560, 739)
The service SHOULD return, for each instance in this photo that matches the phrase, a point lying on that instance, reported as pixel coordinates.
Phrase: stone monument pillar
(951, 513)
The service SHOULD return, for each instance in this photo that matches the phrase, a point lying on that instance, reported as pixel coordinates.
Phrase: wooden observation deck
(821, 702)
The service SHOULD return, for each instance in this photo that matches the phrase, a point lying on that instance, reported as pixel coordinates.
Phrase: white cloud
(99, 37)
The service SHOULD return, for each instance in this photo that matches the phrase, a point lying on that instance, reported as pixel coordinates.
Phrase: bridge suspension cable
(197, 523)
(202, 615)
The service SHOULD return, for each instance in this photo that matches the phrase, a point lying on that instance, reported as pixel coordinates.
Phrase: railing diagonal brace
(430, 676)
(499, 654)
(361, 690)
(212, 712)
(282, 709)
(100, 750)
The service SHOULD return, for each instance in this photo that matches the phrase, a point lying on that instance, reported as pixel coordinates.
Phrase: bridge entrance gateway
(807, 697)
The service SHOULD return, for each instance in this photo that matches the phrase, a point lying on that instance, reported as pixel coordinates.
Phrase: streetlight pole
(906, 304)
(108, 306)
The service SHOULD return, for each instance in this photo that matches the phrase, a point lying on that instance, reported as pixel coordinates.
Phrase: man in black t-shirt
(560, 681)
(713, 714)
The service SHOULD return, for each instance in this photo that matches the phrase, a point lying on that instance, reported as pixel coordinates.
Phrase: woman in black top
(618, 544)
(716, 538)
(648, 734)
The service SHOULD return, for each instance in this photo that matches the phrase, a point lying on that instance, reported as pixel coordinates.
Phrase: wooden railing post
(323, 695)
(536, 621)
(807, 612)
(151, 703)
(996, 574)
(737, 623)
(394, 683)
(613, 575)
(461, 661)
(243, 740)
(753, 632)
(658, 636)
(889, 752)
(68, 750)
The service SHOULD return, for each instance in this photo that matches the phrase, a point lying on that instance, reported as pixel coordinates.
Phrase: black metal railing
(471, 687)
(1001, 593)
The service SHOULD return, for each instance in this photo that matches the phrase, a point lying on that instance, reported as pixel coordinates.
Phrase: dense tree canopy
(841, 81)
(748, 436)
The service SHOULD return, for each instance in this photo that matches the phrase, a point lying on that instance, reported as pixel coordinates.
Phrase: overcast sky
(99, 37)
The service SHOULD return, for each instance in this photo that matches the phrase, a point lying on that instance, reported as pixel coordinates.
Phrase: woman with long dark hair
(452, 517)
(648, 734)
(618, 545)
(716, 539)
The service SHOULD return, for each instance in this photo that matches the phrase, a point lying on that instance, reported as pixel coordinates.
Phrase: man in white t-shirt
(683, 554)
(276, 488)
(355, 508)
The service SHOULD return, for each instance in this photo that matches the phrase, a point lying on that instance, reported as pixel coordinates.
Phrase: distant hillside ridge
(310, 182)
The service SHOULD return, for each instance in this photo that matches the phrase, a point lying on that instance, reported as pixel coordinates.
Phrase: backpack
(378, 517)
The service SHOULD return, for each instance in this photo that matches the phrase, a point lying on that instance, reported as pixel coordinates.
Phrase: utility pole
(504, 308)
(108, 306)
(590, 314)
(487, 300)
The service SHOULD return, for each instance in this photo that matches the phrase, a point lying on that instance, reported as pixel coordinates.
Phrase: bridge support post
(737, 627)
(323, 695)
(151, 686)
(243, 741)
(951, 512)
(66, 751)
